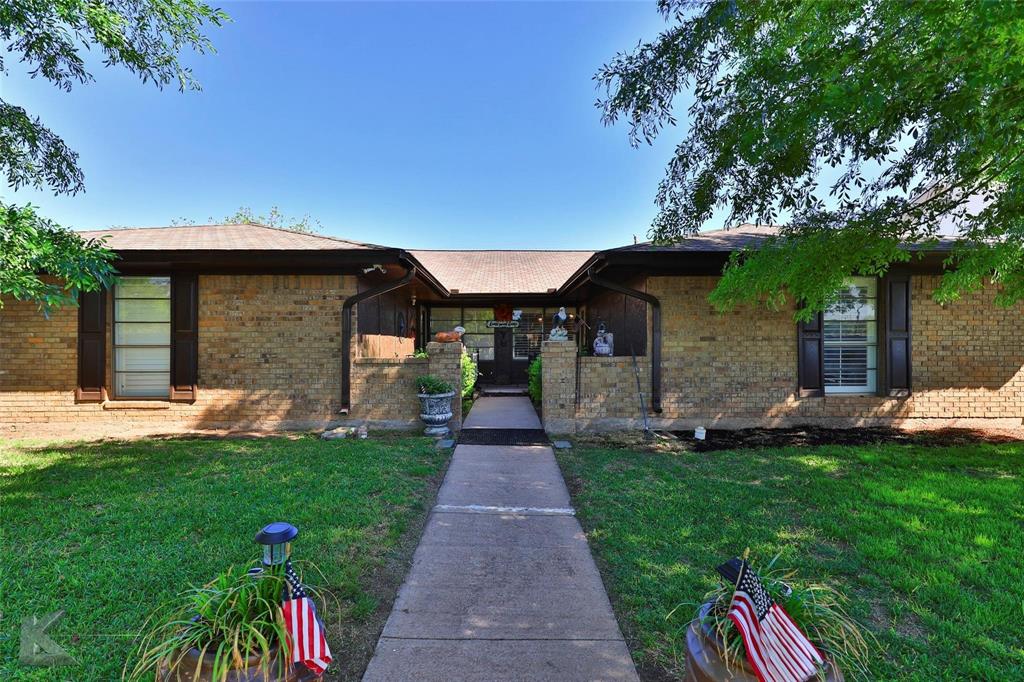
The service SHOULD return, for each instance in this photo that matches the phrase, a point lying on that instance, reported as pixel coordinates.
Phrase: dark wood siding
(624, 316)
(386, 324)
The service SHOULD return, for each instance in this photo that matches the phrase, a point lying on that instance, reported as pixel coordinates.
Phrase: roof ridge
(310, 234)
(247, 223)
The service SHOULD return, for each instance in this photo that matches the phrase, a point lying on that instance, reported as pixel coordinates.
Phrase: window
(479, 338)
(851, 339)
(444, 319)
(534, 327)
(526, 338)
(142, 337)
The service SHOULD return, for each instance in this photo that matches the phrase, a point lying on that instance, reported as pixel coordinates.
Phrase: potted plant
(435, 404)
(714, 647)
(229, 630)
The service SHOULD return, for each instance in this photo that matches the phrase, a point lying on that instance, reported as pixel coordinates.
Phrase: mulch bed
(810, 436)
(804, 436)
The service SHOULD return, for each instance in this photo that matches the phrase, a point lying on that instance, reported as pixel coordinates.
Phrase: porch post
(558, 381)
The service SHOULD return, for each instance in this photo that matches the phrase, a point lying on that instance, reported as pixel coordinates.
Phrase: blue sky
(437, 125)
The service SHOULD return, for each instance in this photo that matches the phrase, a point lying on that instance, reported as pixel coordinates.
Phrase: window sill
(136, 405)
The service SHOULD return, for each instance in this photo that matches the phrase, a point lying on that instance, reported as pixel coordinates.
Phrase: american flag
(776, 649)
(305, 631)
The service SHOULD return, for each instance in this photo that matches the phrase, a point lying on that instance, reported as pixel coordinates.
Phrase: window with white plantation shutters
(142, 337)
(851, 338)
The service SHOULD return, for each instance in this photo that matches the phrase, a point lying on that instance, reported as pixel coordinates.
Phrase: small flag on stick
(306, 640)
(776, 649)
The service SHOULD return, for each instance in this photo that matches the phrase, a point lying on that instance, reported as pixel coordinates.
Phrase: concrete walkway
(502, 586)
(506, 412)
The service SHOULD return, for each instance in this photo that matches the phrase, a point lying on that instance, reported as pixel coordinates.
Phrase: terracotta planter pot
(436, 412)
(185, 671)
(705, 663)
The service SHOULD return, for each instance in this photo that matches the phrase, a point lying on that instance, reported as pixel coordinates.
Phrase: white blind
(851, 338)
(142, 337)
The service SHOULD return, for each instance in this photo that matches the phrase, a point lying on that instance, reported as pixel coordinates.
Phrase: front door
(502, 356)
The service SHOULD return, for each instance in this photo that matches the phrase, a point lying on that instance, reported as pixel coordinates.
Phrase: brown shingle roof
(240, 237)
(742, 236)
(731, 239)
(502, 272)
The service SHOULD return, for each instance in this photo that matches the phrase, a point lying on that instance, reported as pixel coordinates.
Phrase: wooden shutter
(811, 354)
(184, 336)
(897, 334)
(92, 351)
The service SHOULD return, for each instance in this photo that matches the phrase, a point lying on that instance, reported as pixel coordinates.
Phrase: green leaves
(39, 260)
(145, 36)
(469, 372)
(32, 155)
(918, 105)
(43, 262)
(432, 385)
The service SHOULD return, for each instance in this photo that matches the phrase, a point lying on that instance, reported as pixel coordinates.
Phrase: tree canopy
(272, 218)
(862, 127)
(42, 261)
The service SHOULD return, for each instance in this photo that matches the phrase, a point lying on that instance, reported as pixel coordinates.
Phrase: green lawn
(106, 531)
(928, 543)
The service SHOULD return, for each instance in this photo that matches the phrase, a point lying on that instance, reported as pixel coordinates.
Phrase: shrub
(469, 375)
(533, 380)
(420, 353)
(431, 385)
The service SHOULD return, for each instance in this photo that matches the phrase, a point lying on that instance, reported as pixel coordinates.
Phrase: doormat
(503, 437)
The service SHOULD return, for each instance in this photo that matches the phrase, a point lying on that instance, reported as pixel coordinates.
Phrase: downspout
(346, 330)
(655, 331)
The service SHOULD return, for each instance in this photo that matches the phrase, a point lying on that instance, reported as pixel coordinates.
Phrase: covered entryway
(504, 338)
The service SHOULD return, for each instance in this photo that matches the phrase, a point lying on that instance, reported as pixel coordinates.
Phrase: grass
(925, 541)
(108, 531)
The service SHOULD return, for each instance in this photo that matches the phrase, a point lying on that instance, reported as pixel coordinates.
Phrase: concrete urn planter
(705, 662)
(436, 412)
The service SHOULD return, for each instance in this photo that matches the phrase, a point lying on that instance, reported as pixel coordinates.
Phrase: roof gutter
(655, 330)
(346, 329)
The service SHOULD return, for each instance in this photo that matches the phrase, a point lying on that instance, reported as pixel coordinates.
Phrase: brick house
(250, 327)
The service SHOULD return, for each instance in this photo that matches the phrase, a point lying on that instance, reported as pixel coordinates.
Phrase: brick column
(558, 381)
(446, 364)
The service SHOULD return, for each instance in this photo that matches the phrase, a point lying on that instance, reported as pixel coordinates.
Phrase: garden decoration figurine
(604, 342)
(558, 331)
(450, 337)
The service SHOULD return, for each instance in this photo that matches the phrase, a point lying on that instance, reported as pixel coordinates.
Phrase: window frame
(877, 344)
(115, 345)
